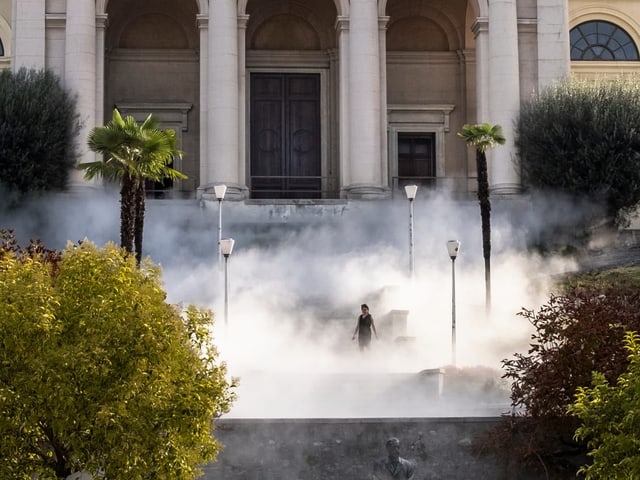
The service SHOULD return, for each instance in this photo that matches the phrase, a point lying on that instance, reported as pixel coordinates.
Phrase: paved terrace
(345, 449)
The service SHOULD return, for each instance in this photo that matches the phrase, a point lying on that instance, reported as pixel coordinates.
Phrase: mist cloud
(298, 275)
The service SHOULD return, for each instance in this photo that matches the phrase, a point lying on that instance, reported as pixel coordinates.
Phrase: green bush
(38, 126)
(576, 333)
(582, 138)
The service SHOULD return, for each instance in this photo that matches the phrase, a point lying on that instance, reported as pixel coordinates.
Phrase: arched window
(600, 40)
(1, 48)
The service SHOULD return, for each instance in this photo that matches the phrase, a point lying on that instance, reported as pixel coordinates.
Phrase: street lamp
(411, 191)
(453, 247)
(226, 247)
(220, 190)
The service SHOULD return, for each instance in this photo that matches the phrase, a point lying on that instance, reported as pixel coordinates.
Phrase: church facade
(319, 99)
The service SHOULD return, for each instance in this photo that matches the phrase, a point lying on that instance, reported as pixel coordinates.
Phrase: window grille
(601, 41)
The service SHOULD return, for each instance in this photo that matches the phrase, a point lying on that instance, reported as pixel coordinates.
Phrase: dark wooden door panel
(267, 133)
(268, 142)
(285, 136)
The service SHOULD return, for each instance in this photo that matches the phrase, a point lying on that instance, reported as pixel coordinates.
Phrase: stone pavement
(346, 449)
(615, 256)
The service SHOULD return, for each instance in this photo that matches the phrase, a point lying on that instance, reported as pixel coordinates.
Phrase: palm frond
(482, 136)
(141, 151)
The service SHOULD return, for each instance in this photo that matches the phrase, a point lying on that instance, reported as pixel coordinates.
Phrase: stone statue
(394, 466)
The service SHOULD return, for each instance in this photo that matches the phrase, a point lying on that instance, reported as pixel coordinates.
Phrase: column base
(360, 191)
(505, 189)
(235, 192)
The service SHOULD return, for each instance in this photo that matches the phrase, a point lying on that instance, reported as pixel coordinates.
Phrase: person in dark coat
(364, 326)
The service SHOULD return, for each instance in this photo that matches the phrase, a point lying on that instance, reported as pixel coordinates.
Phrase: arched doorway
(430, 80)
(152, 67)
(292, 101)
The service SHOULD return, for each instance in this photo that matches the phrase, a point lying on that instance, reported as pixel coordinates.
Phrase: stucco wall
(345, 449)
(146, 77)
(5, 10)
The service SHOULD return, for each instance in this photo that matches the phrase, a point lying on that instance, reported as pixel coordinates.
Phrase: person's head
(393, 448)
(365, 308)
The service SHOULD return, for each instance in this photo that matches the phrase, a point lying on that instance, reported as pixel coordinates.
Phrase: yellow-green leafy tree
(98, 373)
(610, 416)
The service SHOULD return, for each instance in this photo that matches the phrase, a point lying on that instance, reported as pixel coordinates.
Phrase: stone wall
(345, 449)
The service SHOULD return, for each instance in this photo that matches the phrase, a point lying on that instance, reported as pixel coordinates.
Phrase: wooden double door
(285, 135)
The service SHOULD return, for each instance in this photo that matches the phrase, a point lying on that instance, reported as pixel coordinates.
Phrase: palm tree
(483, 136)
(132, 154)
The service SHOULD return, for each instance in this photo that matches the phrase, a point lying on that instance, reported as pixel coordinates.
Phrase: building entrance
(285, 136)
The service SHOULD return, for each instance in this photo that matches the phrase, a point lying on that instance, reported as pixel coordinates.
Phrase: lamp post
(220, 190)
(453, 247)
(411, 191)
(226, 247)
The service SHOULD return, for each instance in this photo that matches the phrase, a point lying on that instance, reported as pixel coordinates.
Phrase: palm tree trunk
(139, 221)
(487, 283)
(127, 213)
(485, 215)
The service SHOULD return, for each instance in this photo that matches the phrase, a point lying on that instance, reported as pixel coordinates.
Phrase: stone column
(364, 101)
(101, 25)
(80, 72)
(342, 28)
(553, 41)
(481, 30)
(504, 93)
(331, 167)
(384, 156)
(222, 86)
(202, 21)
(242, 100)
(28, 25)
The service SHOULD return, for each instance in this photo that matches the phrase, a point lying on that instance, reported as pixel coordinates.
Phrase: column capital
(342, 23)
(102, 19)
(202, 21)
(383, 22)
(242, 21)
(480, 25)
